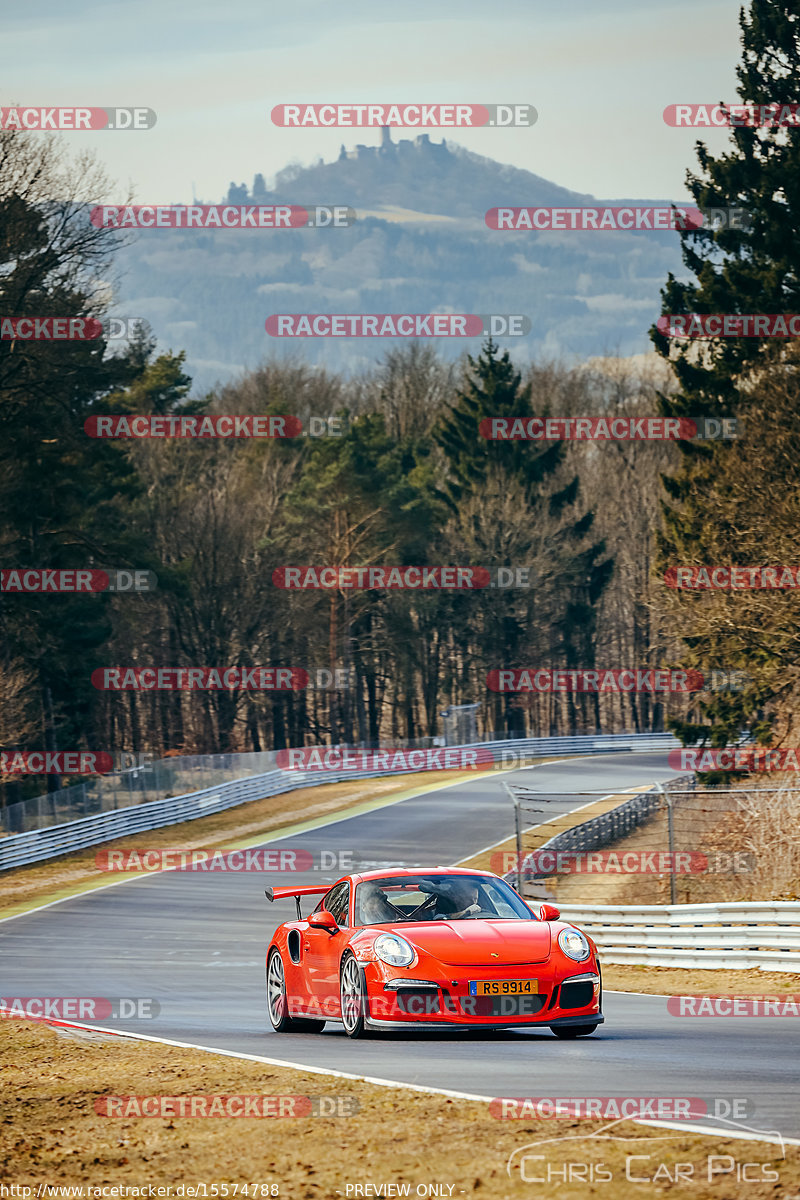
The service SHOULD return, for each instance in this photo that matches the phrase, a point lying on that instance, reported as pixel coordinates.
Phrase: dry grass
(51, 1133)
(683, 981)
(752, 842)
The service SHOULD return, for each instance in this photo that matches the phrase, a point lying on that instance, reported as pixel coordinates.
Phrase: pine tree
(63, 495)
(751, 270)
(494, 389)
(555, 623)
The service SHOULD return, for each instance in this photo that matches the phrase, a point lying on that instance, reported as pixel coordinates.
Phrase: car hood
(482, 942)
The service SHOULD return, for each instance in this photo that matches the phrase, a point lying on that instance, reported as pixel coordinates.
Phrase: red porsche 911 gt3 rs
(400, 948)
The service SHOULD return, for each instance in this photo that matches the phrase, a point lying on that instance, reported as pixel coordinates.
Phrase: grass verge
(51, 1133)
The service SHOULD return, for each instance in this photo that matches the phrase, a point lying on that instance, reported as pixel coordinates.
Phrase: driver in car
(457, 898)
(375, 906)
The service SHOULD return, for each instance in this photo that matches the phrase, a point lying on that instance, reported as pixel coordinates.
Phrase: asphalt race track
(195, 942)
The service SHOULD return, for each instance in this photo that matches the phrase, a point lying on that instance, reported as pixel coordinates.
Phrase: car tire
(572, 1031)
(277, 1002)
(353, 997)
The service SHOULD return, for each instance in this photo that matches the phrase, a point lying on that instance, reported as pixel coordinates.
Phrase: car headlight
(574, 944)
(394, 950)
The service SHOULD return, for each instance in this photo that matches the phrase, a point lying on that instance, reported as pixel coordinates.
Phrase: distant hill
(417, 175)
(420, 245)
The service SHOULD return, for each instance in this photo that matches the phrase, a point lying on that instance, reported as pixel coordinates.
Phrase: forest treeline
(409, 481)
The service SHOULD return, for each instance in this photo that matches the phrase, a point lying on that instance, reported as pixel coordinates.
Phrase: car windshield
(435, 896)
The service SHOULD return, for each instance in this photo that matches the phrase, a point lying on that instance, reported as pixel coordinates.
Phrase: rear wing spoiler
(283, 893)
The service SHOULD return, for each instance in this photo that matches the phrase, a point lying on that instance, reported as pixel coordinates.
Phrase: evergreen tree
(63, 494)
(554, 624)
(751, 270)
(494, 389)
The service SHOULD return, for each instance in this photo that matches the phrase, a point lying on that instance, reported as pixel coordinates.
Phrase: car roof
(399, 872)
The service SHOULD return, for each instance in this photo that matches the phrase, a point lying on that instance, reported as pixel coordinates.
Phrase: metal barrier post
(671, 841)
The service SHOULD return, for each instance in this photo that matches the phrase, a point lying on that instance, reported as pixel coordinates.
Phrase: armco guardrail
(735, 934)
(40, 844)
(599, 831)
(19, 849)
(142, 782)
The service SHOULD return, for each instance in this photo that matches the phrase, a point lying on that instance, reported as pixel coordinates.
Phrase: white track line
(378, 1082)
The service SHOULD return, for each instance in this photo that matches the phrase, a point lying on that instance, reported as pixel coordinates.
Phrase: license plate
(504, 987)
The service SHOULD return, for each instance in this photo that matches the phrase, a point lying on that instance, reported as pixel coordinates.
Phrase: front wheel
(572, 1031)
(278, 1004)
(353, 998)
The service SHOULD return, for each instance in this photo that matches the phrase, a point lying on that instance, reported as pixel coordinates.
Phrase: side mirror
(548, 912)
(323, 920)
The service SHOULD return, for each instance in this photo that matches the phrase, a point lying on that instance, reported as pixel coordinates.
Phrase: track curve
(195, 943)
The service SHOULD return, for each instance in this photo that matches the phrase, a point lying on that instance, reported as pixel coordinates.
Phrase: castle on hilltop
(388, 148)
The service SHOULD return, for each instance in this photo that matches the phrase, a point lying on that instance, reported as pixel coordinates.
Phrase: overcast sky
(599, 75)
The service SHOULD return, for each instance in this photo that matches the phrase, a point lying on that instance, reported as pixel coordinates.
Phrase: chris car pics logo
(610, 1154)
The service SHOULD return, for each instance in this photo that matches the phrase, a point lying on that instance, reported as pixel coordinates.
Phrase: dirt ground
(51, 1134)
(674, 981)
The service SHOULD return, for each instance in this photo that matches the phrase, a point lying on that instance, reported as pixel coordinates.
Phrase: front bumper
(435, 1024)
(400, 1002)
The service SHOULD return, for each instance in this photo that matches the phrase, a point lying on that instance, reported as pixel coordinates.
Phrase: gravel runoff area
(58, 1085)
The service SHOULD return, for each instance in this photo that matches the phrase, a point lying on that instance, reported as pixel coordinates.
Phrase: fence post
(518, 825)
(671, 841)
